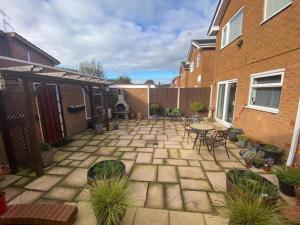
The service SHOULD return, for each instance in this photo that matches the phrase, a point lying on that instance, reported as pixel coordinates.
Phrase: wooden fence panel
(188, 95)
(166, 97)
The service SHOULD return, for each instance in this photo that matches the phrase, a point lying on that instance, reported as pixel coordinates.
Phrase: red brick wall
(272, 45)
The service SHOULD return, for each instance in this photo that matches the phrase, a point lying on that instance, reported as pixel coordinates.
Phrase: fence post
(148, 100)
(178, 98)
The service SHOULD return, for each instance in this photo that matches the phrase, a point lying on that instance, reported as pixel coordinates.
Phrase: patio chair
(187, 129)
(216, 139)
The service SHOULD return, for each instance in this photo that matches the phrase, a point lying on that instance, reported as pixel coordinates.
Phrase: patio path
(169, 182)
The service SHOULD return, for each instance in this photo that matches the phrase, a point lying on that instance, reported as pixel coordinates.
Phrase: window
(192, 66)
(198, 60)
(199, 78)
(272, 7)
(233, 29)
(265, 90)
(97, 97)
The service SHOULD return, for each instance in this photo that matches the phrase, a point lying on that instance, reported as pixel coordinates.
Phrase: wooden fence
(179, 98)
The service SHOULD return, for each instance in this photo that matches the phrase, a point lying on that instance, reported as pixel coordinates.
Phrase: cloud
(123, 35)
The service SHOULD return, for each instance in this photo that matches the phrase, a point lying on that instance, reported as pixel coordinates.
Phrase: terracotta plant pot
(248, 163)
(267, 168)
(3, 205)
(139, 116)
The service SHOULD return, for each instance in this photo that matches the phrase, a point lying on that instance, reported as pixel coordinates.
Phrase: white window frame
(192, 66)
(198, 60)
(228, 30)
(265, 18)
(260, 75)
(199, 78)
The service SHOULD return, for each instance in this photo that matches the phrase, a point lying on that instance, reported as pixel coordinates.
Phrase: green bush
(45, 146)
(109, 200)
(271, 148)
(289, 175)
(108, 169)
(197, 107)
(244, 209)
(155, 109)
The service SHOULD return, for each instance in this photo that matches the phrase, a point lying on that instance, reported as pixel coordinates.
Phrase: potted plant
(47, 152)
(297, 193)
(115, 126)
(98, 126)
(197, 107)
(288, 178)
(258, 161)
(243, 140)
(233, 133)
(271, 151)
(252, 144)
(154, 109)
(3, 204)
(109, 200)
(105, 170)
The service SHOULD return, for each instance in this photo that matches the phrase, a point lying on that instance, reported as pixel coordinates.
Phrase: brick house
(184, 69)
(175, 82)
(201, 57)
(257, 81)
(58, 90)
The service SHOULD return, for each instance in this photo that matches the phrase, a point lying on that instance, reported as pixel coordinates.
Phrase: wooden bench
(39, 214)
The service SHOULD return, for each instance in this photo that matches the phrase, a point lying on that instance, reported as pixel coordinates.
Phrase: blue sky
(144, 39)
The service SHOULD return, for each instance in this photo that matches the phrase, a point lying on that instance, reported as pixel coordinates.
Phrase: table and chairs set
(207, 134)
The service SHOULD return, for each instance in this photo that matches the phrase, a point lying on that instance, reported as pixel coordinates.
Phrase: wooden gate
(49, 114)
(13, 126)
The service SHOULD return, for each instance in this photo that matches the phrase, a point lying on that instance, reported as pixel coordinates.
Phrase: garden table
(201, 130)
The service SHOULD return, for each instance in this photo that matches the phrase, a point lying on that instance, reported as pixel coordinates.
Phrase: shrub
(289, 175)
(109, 200)
(197, 107)
(155, 109)
(45, 146)
(248, 210)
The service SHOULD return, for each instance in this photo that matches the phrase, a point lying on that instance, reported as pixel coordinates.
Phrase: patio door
(50, 115)
(226, 102)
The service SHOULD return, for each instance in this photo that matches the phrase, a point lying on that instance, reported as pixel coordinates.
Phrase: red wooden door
(49, 114)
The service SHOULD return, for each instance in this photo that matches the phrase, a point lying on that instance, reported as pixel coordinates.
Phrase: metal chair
(217, 139)
(187, 129)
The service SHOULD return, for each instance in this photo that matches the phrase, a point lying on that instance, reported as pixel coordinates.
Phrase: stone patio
(169, 182)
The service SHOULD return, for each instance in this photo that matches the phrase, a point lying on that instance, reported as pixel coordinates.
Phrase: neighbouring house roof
(201, 44)
(36, 70)
(29, 44)
(132, 86)
(219, 13)
(175, 78)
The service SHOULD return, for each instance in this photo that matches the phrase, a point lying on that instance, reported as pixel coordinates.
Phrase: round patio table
(201, 131)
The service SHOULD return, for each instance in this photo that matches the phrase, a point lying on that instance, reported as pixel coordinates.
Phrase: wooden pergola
(26, 72)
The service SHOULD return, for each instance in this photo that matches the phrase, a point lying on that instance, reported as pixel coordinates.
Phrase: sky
(144, 39)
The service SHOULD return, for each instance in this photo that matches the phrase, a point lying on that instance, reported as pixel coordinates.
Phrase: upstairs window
(198, 60)
(192, 66)
(272, 7)
(265, 90)
(233, 29)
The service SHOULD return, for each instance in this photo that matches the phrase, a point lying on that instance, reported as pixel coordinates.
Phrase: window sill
(222, 47)
(279, 11)
(264, 109)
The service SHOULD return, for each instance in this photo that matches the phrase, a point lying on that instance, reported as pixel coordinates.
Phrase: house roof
(201, 44)
(219, 13)
(40, 71)
(29, 44)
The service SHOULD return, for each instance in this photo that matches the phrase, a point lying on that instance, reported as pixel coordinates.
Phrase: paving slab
(144, 173)
(8, 180)
(129, 155)
(62, 193)
(85, 214)
(79, 156)
(210, 166)
(12, 192)
(151, 217)
(189, 154)
(89, 149)
(194, 163)
(144, 157)
(138, 143)
(77, 178)
(217, 180)
(231, 165)
(177, 162)
(158, 161)
(78, 143)
(59, 170)
(191, 172)
(148, 149)
(173, 197)
(44, 183)
(197, 201)
(128, 218)
(126, 149)
(138, 193)
(155, 196)
(190, 184)
(84, 195)
(173, 153)
(217, 199)
(167, 174)
(26, 197)
(161, 153)
(186, 218)
(106, 150)
(88, 162)
(215, 220)
(23, 181)
(128, 165)
(123, 143)
(60, 155)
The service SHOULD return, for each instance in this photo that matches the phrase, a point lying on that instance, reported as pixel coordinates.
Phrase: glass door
(226, 101)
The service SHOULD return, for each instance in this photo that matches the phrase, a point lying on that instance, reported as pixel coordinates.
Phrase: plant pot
(257, 165)
(48, 157)
(286, 188)
(92, 175)
(242, 143)
(276, 155)
(267, 168)
(248, 163)
(297, 193)
(139, 116)
(3, 204)
(232, 136)
(99, 128)
(115, 126)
